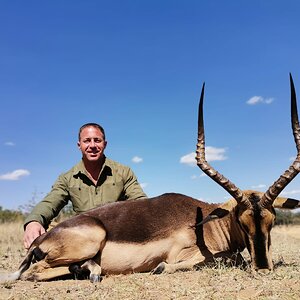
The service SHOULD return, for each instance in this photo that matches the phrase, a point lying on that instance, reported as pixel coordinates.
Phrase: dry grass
(217, 282)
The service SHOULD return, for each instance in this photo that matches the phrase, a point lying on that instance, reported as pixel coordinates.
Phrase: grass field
(216, 282)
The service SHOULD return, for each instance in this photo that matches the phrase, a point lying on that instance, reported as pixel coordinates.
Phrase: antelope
(167, 233)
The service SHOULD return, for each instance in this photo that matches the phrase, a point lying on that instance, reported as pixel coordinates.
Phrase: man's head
(91, 142)
(91, 125)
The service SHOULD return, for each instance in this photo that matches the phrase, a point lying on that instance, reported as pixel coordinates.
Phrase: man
(94, 181)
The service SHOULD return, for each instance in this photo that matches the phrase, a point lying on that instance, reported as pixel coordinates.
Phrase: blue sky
(137, 68)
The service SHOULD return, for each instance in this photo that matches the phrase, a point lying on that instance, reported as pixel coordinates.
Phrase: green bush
(286, 217)
(7, 215)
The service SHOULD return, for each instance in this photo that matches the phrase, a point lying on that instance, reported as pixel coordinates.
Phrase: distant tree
(286, 217)
(7, 216)
(296, 218)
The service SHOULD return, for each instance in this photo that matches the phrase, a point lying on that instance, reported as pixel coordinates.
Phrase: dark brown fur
(138, 221)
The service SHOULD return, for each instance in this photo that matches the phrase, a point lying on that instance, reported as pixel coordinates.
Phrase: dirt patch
(292, 231)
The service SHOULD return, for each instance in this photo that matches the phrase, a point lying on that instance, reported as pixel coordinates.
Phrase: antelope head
(254, 212)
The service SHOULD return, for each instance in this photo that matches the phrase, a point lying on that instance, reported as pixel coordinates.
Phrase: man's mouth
(93, 153)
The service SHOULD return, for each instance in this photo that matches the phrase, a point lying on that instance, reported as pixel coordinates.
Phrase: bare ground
(216, 282)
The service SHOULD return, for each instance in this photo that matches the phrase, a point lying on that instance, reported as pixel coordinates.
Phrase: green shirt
(116, 183)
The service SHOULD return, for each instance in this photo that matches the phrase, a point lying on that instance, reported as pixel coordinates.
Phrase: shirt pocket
(111, 192)
(81, 199)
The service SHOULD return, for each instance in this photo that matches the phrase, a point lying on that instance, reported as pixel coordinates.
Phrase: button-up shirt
(116, 182)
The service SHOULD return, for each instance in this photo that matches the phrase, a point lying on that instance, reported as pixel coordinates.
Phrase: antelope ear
(220, 212)
(286, 203)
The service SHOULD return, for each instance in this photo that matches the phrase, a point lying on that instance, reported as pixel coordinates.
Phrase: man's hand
(32, 231)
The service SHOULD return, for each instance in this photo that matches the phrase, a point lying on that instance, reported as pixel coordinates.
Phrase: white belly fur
(123, 258)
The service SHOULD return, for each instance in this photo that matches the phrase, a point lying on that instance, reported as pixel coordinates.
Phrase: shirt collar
(80, 169)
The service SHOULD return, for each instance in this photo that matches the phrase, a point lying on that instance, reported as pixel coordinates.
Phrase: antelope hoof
(159, 269)
(75, 269)
(94, 278)
(263, 271)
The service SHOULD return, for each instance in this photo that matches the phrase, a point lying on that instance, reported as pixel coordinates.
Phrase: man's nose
(92, 143)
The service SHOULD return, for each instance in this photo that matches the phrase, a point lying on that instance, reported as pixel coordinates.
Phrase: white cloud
(259, 99)
(188, 159)
(259, 186)
(198, 176)
(268, 100)
(9, 144)
(137, 159)
(293, 192)
(211, 154)
(15, 175)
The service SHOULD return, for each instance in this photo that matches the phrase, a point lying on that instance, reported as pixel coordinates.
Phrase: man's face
(91, 143)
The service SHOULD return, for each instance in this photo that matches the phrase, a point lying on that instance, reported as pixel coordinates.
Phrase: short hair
(91, 125)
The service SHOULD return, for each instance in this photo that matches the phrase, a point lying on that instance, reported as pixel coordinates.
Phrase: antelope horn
(235, 192)
(276, 188)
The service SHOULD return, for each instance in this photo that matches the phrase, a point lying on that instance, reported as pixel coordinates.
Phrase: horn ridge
(275, 189)
(234, 191)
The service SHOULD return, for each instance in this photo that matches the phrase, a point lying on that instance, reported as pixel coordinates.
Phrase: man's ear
(220, 212)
